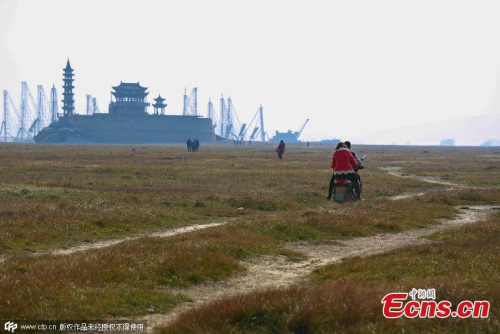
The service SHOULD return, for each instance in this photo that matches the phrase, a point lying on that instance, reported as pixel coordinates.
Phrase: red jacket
(343, 162)
(281, 148)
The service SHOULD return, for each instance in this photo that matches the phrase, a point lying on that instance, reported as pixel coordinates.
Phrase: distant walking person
(281, 149)
(189, 145)
(196, 145)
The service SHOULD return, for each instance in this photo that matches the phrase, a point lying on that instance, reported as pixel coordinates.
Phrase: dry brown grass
(472, 166)
(123, 280)
(347, 298)
(334, 307)
(61, 195)
(361, 219)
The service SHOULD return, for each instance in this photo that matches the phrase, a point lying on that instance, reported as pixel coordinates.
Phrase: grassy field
(346, 298)
(58, 196)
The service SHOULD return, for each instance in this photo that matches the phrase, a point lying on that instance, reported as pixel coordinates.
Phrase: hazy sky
(352, 67)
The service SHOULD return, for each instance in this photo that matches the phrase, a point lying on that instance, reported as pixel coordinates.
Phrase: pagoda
(68, 101)
(159, 106)
(130, 100)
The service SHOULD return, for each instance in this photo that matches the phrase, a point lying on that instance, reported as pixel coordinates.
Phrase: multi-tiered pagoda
(68, 101)
(130, 99)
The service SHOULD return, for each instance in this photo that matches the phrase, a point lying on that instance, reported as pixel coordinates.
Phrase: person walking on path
(281, 149)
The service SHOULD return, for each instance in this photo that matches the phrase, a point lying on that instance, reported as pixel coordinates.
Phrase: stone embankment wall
(105, 128)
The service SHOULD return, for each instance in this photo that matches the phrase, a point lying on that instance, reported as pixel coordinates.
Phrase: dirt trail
(396, 171)
(112, 242)
(278, 271)
(108, 243)
(405, 196)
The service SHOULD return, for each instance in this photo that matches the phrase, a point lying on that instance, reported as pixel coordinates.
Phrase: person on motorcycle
(360, 166)
(344, 166)
(348, 145)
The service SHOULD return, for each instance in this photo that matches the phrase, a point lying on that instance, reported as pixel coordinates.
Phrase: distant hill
(475, 130)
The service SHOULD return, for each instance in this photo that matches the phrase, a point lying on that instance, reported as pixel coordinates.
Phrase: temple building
(130, 99)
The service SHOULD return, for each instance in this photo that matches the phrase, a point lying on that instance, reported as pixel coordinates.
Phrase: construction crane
(190, 105)
(213, 116)
(228, 124)
(43, 111)
(95, 106)
(28, 116)
(54, 109)
(92, 107)
(33, 116)
(11, 119)
(302, 128)
(257, 126)
(233, 127)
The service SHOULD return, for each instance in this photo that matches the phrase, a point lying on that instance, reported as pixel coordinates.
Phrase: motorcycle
(343, 189)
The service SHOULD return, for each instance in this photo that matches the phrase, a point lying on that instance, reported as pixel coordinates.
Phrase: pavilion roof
(159, 99)
(125, 89)
(126, 86)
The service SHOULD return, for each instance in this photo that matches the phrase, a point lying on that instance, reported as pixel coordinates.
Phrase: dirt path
(278, 271)
(112, 242)
(108, 243)
(396, 171)
(405, 196)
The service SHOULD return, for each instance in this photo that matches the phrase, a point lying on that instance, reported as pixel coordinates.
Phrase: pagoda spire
(68, 66)
(68, 95)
